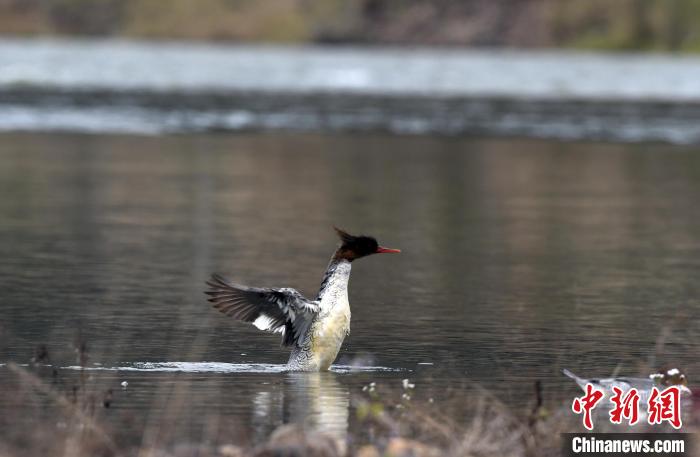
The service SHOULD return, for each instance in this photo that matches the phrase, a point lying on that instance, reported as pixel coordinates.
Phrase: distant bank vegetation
(661, 25)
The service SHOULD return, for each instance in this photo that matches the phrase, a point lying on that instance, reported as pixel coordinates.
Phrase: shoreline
(118, 86)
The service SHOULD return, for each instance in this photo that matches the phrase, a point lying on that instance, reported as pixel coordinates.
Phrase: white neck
(334, 288)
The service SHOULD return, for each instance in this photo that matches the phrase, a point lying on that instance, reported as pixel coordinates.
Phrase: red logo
(665, 406)
(626, 406)
(586, 404)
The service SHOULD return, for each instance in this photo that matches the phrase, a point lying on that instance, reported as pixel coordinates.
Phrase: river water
(129, 172)
(519, 258)
(107, 86)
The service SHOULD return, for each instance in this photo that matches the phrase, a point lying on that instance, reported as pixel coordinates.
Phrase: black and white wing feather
(282, 310)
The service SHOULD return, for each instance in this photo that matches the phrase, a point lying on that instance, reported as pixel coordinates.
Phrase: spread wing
(282, 310)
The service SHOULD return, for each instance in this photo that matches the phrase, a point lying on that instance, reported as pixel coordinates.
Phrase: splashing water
(220, 367)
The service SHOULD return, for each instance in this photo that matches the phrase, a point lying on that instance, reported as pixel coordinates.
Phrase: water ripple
(220, 367)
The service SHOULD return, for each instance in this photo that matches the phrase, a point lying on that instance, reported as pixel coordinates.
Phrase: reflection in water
(317, 400)
(268, 412)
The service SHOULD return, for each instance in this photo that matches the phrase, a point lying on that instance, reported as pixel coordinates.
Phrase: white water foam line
(221, 367)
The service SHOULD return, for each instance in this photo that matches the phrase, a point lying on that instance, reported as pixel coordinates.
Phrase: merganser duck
(661, 379)
(314, 329)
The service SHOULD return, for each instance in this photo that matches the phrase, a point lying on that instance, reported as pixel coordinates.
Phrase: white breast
(333, 324)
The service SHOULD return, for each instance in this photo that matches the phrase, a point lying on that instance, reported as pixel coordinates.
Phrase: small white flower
(125, 384)
(406, 397)
(407, 384)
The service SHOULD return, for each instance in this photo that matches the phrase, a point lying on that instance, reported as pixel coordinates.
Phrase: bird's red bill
(383, 250)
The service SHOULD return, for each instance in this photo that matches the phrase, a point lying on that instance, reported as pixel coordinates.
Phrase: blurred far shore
(639, 25)
(620, 70)
(146, 87)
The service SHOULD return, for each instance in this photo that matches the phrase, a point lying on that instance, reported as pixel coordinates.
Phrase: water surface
(113, 86)
(518, 258)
